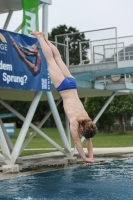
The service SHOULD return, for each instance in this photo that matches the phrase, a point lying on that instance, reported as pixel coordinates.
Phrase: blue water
(107, 181)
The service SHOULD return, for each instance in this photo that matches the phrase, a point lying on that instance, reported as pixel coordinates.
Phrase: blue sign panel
(22, 63)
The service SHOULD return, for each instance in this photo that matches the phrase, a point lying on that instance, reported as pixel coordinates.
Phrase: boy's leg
(55, 73)
(58, 59)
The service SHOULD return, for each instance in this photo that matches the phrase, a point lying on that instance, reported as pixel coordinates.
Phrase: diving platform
(106, 57)
(87, 78)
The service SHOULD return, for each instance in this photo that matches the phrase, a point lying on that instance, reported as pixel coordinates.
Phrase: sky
(85, 15)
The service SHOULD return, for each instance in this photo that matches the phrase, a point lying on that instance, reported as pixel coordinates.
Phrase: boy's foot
(38, 34)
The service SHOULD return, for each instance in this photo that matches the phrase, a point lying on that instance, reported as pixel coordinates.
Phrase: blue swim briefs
(67, 84)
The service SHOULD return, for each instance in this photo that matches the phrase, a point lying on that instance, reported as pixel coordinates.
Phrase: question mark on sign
(25, 78)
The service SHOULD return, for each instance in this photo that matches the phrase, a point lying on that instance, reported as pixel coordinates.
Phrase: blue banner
(22, 63)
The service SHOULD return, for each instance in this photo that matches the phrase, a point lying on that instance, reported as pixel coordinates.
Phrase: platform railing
(82, 42)
(100, 49)
(107, 52)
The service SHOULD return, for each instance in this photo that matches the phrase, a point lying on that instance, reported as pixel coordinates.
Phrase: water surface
(106, 181)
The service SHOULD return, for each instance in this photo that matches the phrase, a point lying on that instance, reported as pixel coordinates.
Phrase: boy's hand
(89, 160)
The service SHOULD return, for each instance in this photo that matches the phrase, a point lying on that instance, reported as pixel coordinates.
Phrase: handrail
(84, 31)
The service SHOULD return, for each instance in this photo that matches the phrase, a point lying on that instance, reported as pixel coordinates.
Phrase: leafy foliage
(122, 104)
(118, 107)
(73, 43)
(93, 106)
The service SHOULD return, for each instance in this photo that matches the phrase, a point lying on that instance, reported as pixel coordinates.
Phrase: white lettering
(3, 46)
(44, 83)
(17, 79)
(30, 23)
(4, 66)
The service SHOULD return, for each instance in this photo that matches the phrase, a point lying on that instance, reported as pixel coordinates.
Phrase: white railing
(83, 41)
(101, 47)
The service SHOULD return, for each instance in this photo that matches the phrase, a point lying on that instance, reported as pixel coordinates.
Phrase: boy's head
(87, 128)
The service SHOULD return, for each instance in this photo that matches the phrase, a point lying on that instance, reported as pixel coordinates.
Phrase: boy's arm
(78, 143)
(89, 147)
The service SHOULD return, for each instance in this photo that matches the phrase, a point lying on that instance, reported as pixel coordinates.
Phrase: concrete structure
(93, 79)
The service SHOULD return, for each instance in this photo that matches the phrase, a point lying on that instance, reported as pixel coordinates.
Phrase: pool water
(112, 180)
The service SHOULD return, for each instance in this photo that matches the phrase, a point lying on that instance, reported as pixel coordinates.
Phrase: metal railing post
(80, 52)
(117, 59)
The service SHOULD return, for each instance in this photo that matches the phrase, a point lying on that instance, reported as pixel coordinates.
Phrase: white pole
(39, 126)
(45, 19)
(25, 126)
(4, 147)
(8, 20)
(68, 130)
(91, 52)
(67, 52)
(104, 107)
(58, 121)
(8, 140)
(80, 52)
(66, 118)
(117, 59)
(49, 94)
(32, 126)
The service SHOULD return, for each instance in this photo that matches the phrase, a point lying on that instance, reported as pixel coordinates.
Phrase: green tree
(121, 105)
(23, 107)
(73, 43)
(93, 105)
(3, 109)
(20, 106)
